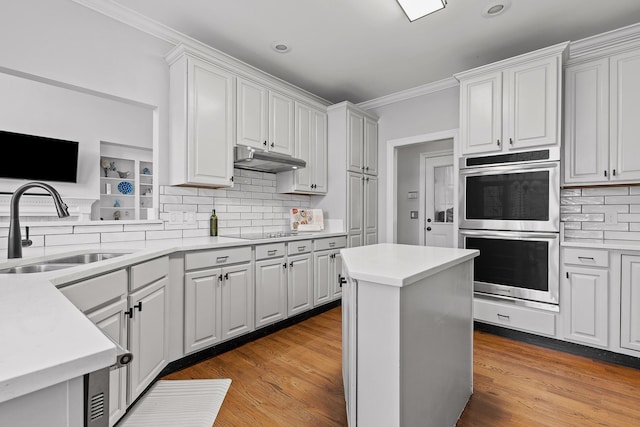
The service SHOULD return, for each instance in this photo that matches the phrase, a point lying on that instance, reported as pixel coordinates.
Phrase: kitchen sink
(60, 263)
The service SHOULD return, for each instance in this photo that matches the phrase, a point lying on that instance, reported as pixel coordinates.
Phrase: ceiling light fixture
(495, 8)
(415, 9)
(280, 47)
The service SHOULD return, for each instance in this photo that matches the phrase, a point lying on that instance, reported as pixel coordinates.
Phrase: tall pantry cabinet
(353, 150)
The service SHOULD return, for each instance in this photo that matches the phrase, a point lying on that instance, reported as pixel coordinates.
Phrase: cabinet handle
(291, 264)
(498, 142)
(226, 276)
(510, 141)
(362, 167)
(264, 143)
(301, 248)
(129, 313)
(367, 179)
(272, 252)
(503, 317)
(367, 168)
(222, 258)
(332, 244)
(567, 274)
(605, 174)
(614, 172)
(341, 280)
(284, 265)
(220, 277)
(273, 144)
(138, 306)
(231, 179)
(586, 258)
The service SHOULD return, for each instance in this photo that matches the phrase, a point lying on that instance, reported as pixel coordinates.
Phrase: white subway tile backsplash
(634, 226)
(261, 209)
(165, 198)
(634, 217)
(634, 209)
(122, 237)
(227, 201)
(212, 192)
(582, 217)
(248, 173)
(634, 190)
(156, 235)
(179, 191)
(572, 225)
(81, 229)
(568, 192)
(44, 231)
(251, 215)
(579, 200)
(622, 235)
(71, 239)
(197, 200)
(170, 207)
(622, 200)
(263, 182)
(606, 191)
(605, 226)
(241, 180)
(579, 234)
(565, 209)
(238, 208)
(143, 227)
(605, 209)
(198, 232)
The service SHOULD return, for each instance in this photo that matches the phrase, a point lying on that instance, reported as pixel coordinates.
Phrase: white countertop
(602, 244)
(400, 265)
(44, 339)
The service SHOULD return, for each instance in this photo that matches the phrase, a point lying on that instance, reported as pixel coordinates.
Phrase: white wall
(65, 42)
(36, 108)
(408, 179)
(429, 113)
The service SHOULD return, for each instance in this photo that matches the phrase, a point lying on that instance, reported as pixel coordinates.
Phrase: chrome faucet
(15, 239)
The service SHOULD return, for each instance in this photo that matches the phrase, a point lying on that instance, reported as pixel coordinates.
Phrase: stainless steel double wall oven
(510, 212)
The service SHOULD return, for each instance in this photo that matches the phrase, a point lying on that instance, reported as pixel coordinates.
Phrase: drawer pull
(587, 258)
(272, 252)
(222, 259)
(301, 248)
(332, 244)
(503, 317)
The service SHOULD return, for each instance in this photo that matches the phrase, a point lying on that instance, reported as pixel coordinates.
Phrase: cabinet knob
(428, 228)
(291, 264)
(510, 141)
(367, 168)
(605, 174)
(428, 219)
(498, 142)
(614, 172)
(264, 143)
(273, 144)
(362, 167)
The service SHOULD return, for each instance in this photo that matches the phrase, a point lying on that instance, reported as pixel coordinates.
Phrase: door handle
(341, 280)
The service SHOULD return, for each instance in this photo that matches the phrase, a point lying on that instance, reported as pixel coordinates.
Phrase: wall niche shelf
(127, 190)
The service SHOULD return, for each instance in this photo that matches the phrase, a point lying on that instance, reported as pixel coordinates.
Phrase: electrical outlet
(190, 218)
(176, 218)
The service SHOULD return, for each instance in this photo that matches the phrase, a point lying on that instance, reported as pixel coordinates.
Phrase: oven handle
(513, 234)
(521, 167)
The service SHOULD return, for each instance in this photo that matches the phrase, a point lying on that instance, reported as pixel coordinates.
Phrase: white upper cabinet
(370, 146)
(513, 104)
(202, 98)
(602, 145)
(362, 143)
(265, 119)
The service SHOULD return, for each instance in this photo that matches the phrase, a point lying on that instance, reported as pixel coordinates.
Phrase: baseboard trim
(564, 346)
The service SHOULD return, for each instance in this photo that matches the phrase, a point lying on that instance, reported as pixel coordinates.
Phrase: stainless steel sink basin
(60, 263)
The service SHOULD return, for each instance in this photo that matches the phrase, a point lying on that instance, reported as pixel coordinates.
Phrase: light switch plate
(175, 218)
(190, 218)
(413, 214)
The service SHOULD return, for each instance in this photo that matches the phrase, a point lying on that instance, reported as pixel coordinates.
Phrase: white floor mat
(180, 403)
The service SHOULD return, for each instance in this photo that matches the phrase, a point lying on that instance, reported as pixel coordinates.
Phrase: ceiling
(359, 50)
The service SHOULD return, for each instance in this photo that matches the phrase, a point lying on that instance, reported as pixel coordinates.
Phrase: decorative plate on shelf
(125, 187)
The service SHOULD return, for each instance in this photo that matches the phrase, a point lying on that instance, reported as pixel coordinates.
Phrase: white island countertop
(44, 338)
(401, 265)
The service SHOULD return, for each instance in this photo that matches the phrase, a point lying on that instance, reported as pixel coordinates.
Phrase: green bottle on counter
(213, 224)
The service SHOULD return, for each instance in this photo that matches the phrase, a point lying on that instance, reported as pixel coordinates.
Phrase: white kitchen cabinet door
(624, 132)
(252, 115)
(585, 308)
(210, 128)
(349, 348)
(322, 270)
(319, 151)
(299, 284)
(587, 122)
(147, 336)
(111, 321)
(370, 146)
(531, 92)
(304, 147)
(202, 309)
(370, 210)
(281, 124)
(630, 303)
(271, 291)
(237, 300)
(355, 141)
(481, 114)
(355, 205)
(336, 271)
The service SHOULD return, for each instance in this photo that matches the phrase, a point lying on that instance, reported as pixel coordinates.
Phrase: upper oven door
(523, 197)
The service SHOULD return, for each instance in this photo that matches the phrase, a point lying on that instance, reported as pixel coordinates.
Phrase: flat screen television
(38, 158)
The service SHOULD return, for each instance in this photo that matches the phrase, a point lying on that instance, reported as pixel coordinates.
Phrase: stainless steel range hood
(265, 161)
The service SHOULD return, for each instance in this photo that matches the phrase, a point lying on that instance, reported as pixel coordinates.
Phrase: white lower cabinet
(327, 265)
(299, 284)
(271, 291)
(147, 335)
(585, 306)
(630, 303)
(111, 321)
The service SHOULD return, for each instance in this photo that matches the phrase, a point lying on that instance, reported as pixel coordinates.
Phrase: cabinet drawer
(299, 247)
(92, 293)
(585, 257)
(516, 317)
(216, 257)
(270, 251)
(149, 272)
(330, 243)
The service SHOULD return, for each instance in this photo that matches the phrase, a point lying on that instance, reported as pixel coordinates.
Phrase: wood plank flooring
(293, 378)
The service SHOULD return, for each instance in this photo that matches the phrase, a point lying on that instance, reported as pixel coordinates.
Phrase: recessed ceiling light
(280, 47)
(495, 8)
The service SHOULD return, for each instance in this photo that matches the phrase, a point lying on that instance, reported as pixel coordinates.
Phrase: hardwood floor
(293, 378)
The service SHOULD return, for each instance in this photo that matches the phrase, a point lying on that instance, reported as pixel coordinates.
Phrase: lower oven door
(519, 265)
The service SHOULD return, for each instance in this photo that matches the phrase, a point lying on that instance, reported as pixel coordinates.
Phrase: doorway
(437, 207)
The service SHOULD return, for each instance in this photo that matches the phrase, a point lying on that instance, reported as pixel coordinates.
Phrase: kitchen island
(407, 334)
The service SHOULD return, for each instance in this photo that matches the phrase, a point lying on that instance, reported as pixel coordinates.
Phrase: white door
(438, 208)
(271, 291)
(236, 300)
(481, 114)
(300, 284)
(281, 124)
(201, 309)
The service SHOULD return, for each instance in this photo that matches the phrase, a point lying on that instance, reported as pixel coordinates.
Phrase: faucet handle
(26, 242)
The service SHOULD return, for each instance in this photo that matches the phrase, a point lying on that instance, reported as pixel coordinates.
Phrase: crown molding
(404, 95)
(160, 31)
(604, 44)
